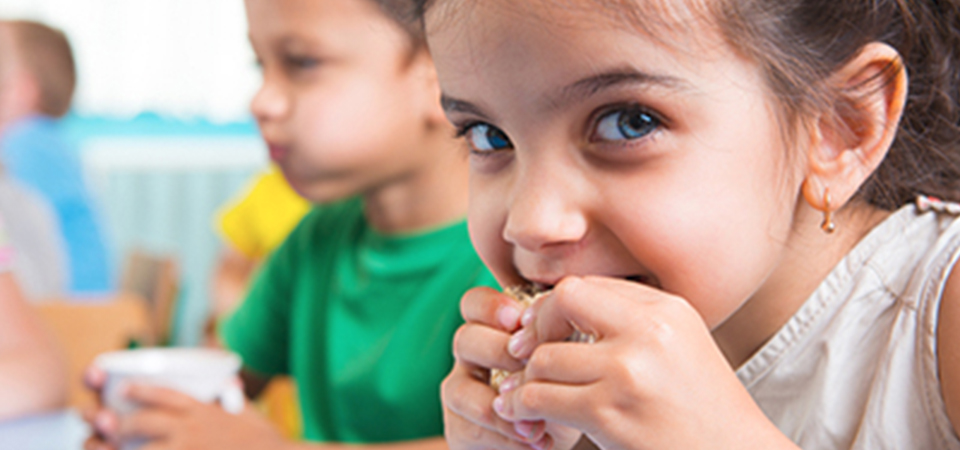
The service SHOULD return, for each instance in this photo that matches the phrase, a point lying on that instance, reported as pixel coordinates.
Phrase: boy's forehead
(308, 17)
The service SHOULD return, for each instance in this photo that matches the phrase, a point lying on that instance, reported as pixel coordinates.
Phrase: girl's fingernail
(508, 316)
(500, 406)
(542, 444)
(517, 343)
(527, 317)
(510, 383)
(531, 431)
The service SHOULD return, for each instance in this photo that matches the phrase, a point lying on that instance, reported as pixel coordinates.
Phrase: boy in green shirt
(361, 302)
(362, 320)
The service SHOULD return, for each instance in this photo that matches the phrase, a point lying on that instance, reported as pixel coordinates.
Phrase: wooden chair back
(156, 278)
(90, 327)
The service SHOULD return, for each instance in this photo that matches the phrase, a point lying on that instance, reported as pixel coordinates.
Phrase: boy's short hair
(46, 54)
(407, 15)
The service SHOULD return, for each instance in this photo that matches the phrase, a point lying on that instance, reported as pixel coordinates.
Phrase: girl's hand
(171, 420)
(654, 378)
(481, 343)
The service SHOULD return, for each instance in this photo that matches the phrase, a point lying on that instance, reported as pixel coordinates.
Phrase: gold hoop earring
(828, 226)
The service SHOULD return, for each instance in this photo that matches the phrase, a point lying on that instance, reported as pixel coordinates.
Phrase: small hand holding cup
(173, 399)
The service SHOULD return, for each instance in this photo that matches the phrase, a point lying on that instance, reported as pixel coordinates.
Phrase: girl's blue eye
(625, 124)
(486, 138)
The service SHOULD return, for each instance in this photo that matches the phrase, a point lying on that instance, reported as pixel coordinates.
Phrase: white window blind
(185, 58)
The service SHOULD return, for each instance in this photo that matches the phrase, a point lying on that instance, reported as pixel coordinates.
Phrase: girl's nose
(544, 211)
(269, 103)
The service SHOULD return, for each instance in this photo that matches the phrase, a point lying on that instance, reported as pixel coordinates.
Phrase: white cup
(207, 375)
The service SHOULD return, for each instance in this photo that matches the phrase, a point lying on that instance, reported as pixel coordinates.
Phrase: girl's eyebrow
(451, 104)
(626, 75)
(583, 88)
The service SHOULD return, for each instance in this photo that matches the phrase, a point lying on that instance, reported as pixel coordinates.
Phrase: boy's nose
(269, 103)
(544, 211)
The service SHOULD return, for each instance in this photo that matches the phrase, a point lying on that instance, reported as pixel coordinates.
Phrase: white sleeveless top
(856, 366)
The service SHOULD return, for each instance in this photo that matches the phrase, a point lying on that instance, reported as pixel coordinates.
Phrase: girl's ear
(851, 140)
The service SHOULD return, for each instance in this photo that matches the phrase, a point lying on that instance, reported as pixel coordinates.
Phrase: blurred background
(161, 126)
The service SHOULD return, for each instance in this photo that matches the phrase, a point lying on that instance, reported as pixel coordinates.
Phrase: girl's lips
(549, 283)
(277, 152)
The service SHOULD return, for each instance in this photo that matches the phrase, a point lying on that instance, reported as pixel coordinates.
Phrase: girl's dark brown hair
(800, 43)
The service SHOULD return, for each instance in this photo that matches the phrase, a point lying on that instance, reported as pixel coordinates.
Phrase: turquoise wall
(167, 209)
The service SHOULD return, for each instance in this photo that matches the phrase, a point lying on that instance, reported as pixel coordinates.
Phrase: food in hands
(527, 295)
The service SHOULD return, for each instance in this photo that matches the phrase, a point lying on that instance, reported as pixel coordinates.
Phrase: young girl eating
(746, 203)
(359, 304)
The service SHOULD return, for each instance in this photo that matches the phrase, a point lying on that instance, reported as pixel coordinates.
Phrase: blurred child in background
(31, 365)
(252, 226)
(359, 304)
(41, 264)
(37, 80)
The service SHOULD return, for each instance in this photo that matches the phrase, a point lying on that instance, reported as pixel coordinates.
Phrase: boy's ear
(850, 141)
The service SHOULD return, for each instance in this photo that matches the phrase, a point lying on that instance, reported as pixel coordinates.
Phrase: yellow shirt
(259, 220)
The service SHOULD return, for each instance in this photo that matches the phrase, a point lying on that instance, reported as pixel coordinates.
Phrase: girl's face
(340, 100)
(597, 149)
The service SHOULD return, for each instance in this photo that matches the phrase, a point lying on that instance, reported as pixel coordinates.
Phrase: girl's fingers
(484, 347)
(532, 431)
(592, 305)
(467, 402)
(547, 401)
(464, 434)
(565, 362)
(492, 308)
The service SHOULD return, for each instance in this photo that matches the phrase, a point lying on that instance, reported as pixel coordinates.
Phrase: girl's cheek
(485, 220)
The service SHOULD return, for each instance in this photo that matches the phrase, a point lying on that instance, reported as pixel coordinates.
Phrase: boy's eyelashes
(294, 63)
(301, 62)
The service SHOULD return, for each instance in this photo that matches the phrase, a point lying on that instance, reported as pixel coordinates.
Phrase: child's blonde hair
(800, 43)
(45, 52)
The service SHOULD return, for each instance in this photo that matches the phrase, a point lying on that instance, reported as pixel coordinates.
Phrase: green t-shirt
(363, 321)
